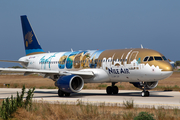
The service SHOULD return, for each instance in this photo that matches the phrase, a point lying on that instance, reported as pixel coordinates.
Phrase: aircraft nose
(166, 67)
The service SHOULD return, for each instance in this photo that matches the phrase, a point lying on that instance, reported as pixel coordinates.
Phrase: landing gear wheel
(67, 94)
(109, 90)
(115, 90)
(145, 93)
(61, 93)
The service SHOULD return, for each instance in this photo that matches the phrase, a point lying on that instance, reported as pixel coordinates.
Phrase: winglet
(31, 43)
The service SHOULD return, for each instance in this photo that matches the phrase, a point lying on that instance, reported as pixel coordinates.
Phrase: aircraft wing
(13, 61)
(83, 74)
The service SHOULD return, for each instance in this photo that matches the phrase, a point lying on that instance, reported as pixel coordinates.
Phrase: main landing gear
(62, 93)
(112, 89)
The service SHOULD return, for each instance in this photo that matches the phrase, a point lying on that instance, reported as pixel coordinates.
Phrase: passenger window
(164, 57)
(158, 58)
(151, 58)
(146, 59)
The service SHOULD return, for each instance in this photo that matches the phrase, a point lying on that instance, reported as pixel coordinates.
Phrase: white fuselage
(108, 70)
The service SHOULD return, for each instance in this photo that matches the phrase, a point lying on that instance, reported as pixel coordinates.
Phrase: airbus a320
(70, 70)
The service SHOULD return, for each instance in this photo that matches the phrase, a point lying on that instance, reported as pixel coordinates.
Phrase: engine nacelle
(147, 85)
(70, 83)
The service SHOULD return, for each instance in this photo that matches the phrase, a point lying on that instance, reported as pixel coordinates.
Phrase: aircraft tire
(67, 94)
(109, 90)
(61, 93)
(115, 90)
(145, 93)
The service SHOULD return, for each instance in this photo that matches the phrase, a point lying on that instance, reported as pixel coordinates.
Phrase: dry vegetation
(17, 81)
(78, 111)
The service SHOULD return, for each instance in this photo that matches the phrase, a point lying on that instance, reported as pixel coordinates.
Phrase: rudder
(31, 43)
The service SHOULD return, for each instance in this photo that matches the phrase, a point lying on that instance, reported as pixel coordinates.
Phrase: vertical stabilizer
(31, 43)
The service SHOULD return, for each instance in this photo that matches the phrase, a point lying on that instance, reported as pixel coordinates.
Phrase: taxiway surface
(169, 99)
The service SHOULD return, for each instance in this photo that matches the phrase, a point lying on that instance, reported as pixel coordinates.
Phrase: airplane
(70, 70)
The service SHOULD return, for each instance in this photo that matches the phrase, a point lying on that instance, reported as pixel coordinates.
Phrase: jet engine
(70, 83)
(147, 85)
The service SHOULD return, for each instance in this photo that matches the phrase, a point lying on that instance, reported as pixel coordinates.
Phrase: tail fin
(31, 43)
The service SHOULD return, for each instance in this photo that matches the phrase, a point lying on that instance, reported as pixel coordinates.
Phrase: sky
(90, 25)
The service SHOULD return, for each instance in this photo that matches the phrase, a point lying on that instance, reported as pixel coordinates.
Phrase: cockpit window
(146, 59)
(151, 58)
(164, 57)
(158, 58)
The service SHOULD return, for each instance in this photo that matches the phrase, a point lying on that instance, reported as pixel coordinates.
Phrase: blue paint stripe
(33, 50)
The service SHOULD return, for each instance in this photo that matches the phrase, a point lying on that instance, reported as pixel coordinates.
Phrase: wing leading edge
(83, 74)
(14, 61)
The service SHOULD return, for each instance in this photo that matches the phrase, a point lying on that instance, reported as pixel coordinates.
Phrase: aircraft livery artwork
(70, 70)
(122, 63)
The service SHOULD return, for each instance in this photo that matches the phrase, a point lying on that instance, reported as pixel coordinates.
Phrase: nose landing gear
(144, 92)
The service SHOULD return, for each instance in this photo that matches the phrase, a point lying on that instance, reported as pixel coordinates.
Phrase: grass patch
(102, 86)
(144, 116)
(120, 86)
(78, 111)
(129, 104)
(128, 115)
(169, 88)
(85, 87)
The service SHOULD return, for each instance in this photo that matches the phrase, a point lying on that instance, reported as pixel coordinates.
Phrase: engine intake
(147, 85)
(70, 83)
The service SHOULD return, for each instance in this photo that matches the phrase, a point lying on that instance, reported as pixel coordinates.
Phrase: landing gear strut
(112, 89)
(144, 92)
(62, 93)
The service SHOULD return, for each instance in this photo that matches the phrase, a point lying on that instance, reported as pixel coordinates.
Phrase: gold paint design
(26, 43)
(85, 58)
(131, 58)
(136, 54)
(63, 59)
(81, 60)
(28, 37)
